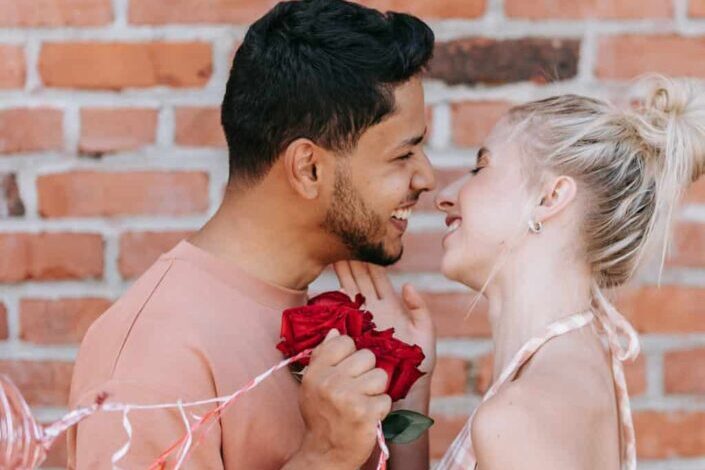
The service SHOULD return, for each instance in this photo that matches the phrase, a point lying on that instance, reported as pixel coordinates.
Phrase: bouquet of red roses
(306, 327)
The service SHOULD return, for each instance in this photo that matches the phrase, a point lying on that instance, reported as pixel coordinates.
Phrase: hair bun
(674, 115)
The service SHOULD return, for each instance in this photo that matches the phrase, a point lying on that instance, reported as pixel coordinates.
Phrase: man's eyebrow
(413, 141)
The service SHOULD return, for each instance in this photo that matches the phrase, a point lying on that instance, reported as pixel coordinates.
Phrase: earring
(535, 227)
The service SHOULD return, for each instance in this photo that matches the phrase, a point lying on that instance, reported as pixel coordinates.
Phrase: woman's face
(487, 210)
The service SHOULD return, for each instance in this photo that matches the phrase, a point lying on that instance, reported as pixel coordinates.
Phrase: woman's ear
(555, 197)
(302, 164)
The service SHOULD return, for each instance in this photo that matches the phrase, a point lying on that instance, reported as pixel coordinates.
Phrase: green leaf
(404, 426)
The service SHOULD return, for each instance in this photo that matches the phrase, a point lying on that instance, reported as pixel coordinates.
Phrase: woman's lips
(453, 223)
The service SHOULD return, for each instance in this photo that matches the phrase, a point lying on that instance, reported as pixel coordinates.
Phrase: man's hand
(412, 322)
(341, 400)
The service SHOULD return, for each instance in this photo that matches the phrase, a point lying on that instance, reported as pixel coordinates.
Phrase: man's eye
(405, 156)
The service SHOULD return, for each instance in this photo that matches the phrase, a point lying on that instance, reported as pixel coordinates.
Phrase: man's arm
(153, 431)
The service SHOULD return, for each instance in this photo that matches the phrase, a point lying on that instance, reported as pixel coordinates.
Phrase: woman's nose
(444, 199)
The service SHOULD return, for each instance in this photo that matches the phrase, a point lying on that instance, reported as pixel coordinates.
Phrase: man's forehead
(408, 121)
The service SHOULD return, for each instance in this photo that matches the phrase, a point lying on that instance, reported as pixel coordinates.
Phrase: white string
(187, 445)
(117, 456)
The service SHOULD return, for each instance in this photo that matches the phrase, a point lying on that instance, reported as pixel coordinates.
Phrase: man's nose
(425, 178)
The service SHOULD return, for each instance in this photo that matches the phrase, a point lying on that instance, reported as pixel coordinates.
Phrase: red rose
(337, 298)
(306, 327)
(398, 359)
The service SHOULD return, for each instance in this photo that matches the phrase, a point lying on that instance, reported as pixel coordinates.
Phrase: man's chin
(379, 255)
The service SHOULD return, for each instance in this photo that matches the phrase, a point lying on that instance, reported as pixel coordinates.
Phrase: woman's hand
(408, 315)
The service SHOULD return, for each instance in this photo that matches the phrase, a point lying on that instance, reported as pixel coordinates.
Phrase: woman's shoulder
(543, 419)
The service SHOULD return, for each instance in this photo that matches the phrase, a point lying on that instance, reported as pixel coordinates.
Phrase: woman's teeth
(402, 214)
(454, 226)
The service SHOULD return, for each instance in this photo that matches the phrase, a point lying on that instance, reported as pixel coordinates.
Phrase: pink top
(192, 327)
(461, 456)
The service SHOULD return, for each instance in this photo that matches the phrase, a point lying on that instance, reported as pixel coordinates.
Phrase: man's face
(377, 185)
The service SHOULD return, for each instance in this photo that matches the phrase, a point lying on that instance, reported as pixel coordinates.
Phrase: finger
(382, 405)
(331, 334)
(381, 281)
(358, 363)
(415, 304)
(363, 279)
(332, 351)
(373, 382)
(346, 279)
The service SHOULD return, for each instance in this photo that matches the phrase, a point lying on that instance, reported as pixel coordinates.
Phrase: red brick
(444, 177)
(689, 246)
(622, 9)
(138, 250)
(635, 374)
(59, 321)
(482, 371)
(30, 130)
(33, 13)
(697, 8)
(422, 252)
(4, 330)
(627, 56)
(199, 127)
(103, 194)
(50, 256)
(450, 314)
(106, 130)
(665, 309)
(114, 66)
(473, 121)
(468, 61)
(661, 435)
(684, 371)
(198, 11)
(42, 383)
(11, 204)
(443, 433)
(431, 10)
(450, 377)
(12, 70)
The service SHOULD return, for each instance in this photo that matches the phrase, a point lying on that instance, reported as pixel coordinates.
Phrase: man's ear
(302, 166)
(556, 196)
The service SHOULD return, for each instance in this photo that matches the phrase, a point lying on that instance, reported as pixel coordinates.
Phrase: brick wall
(110, 152)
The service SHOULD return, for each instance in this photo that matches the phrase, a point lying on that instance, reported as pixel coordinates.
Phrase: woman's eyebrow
(482, 152)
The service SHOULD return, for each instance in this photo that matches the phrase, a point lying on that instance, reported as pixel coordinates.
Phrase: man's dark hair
(318, 69)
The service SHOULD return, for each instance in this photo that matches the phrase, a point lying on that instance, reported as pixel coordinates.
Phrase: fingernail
(332, 334)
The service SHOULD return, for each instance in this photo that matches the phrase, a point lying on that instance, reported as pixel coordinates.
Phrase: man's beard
(356, 225)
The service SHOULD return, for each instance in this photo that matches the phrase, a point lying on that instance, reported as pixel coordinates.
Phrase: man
(324, 118)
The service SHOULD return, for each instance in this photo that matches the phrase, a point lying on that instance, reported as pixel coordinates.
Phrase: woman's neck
(526, 297)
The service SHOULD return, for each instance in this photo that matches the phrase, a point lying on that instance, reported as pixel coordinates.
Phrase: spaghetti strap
(461, 455)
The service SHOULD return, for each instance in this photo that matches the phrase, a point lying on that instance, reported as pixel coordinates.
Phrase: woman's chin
(463, 272)
(451, 268)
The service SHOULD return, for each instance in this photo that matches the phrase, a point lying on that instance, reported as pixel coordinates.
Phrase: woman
(567, 197)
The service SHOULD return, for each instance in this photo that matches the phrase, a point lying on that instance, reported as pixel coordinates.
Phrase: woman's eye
(405, 156)
(476, 170)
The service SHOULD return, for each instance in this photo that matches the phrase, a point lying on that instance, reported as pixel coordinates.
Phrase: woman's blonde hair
(632, 165)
